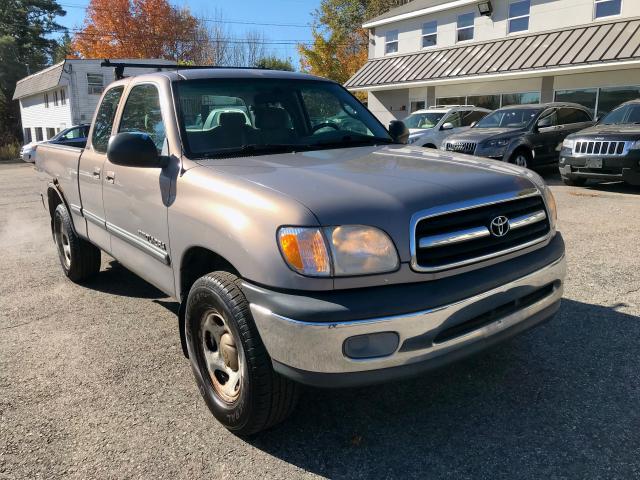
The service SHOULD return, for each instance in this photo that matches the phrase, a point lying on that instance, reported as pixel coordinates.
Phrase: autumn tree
(138, 29)
(340, 44)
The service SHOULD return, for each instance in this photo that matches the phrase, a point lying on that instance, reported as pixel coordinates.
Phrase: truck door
(136, 198)
(90, 172)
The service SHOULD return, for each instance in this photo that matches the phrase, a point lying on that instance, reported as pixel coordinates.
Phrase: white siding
(544, 15)
(35, 114)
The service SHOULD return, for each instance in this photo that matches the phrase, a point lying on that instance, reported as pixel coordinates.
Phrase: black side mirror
(134, 149)
(398, 131)
(544, 122)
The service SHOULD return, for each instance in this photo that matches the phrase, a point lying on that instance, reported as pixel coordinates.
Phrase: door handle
(96, 173)
(110, 177)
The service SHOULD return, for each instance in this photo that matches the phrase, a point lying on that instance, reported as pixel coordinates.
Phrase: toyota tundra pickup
(306, 243)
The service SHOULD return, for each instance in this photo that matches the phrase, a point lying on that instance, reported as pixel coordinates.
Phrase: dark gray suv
(526, 135)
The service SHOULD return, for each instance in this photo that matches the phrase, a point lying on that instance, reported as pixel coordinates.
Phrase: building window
(520, 98)
(95, 83)
(611, 97)
(519, 15)
(46, 100)
(38, 134)
(607, 8)
(491, 102)
(27, 135)
(465, 27)
(63, 97)
(429, 34)
(587, 97)
(50, 132)
(391, 42)
(451, 101)
(55, 99)
(417, 105)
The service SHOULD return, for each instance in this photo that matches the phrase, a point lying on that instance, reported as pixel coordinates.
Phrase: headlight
(412, 140)
(355, 250)
(501, 142)
(568, 143)
(549, 199)
(636, 145)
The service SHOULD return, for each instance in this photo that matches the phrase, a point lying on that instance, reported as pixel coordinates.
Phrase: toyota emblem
(499, 226)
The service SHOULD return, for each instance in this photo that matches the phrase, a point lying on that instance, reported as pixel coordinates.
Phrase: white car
(430, 127)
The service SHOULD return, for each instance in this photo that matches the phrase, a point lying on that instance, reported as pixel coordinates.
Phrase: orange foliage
(137, 29)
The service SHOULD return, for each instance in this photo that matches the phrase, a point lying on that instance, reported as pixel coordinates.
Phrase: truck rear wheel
(231, 365)
(79, 258)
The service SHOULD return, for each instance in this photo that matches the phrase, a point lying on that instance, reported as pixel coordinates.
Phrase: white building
(65, 94)
(496, 52)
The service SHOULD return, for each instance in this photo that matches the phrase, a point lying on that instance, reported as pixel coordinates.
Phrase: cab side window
(104, 119)
(572, 115)
(142, 114)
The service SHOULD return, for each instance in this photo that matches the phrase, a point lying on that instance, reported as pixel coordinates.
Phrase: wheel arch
(54, 198)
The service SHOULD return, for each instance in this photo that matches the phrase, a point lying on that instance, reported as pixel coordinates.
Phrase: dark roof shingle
(39, 82)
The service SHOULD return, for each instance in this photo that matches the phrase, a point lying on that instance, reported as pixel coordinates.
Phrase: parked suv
(526, 135)
(610, 150)
(429, 128)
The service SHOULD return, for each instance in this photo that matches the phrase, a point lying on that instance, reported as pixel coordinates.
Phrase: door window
(454, 119)
(568, 116)
(104, 119)
(474, 116)
(548, 119)
(142, 114)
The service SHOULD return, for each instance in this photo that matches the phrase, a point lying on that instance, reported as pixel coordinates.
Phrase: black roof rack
(120, 66)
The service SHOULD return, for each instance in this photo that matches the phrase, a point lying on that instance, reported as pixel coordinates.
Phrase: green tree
(274, 63)
(24, 49)
(63, 49)
(340, 44)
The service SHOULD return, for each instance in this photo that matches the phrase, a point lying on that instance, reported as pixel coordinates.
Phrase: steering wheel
(324, 125)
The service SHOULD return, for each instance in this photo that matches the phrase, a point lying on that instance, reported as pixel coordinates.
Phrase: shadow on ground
(516, 411)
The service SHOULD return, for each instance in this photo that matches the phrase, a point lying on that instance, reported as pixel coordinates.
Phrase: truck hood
(380, 186)
(479, 134)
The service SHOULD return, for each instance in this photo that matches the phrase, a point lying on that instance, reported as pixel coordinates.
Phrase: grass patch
(9, 151)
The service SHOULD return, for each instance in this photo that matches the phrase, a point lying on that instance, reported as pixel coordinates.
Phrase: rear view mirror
(398, 131)
(447, 126)
(134, 149)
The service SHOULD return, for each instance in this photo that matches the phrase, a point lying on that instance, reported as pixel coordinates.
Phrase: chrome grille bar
(461, 147)
(525, 220)
(601, 148)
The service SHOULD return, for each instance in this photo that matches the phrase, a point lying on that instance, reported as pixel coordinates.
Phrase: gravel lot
(93, 383)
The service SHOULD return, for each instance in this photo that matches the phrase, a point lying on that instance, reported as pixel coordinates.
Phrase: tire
(430, 145)
(521, 158)
(221, 335)
(574, 182)
(79, 259)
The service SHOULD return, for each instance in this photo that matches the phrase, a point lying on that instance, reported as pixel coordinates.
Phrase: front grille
(461, 147)
(600, 148)
(462, 237)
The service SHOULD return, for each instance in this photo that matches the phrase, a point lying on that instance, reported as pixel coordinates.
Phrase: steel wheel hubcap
(221, 355)
(62, 240)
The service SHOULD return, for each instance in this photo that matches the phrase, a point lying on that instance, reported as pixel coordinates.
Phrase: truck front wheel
(231, 365)
(79, 258)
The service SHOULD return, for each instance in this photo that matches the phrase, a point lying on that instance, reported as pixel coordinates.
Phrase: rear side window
(572, 115)
(104, 119)
(142, 114)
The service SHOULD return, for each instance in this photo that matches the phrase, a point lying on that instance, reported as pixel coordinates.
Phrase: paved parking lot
(93, 383)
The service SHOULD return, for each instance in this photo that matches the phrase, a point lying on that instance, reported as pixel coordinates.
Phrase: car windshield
(423, 120)
(625, 114)
(256, 116)
(509, 118)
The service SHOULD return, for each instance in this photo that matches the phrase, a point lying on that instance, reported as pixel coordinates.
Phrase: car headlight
(412, 140)
(636, 145)
(355, 250)
(550, 200)
(568, 143)
(501, 142)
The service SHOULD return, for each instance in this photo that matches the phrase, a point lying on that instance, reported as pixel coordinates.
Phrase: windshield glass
(624, 114)
(423, 120)
(509, 118)
(255, 116)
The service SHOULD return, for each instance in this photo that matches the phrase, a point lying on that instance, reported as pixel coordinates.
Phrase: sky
(261, 12)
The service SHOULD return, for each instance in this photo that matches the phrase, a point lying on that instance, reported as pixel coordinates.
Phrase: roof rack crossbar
(120, 66)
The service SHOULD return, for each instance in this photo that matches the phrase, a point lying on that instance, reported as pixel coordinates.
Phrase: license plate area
(594, 163)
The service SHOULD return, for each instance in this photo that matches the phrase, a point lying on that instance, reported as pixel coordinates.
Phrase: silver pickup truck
(306, 243)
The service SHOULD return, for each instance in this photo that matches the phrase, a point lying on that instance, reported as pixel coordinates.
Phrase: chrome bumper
(318, 347)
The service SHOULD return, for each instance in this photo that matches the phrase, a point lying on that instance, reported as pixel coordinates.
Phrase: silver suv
(430, 127)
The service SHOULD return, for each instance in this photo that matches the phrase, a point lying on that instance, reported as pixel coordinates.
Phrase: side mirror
(134, 149)
(544, 122)
(398, 131)
(473, 124)
(447, 126)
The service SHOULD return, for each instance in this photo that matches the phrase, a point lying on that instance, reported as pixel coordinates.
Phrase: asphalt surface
(93, 383)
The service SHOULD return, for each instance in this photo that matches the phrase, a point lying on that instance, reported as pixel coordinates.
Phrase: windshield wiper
(251, 149)
(349, 141)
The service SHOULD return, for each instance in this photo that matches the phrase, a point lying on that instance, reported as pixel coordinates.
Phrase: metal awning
(592, 44)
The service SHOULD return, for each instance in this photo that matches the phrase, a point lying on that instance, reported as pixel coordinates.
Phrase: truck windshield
(629, 113)
(423, 120)
(253, 116)
(509, 118)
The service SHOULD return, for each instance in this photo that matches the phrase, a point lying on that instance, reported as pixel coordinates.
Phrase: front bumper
(312, 352)
(623, 168)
